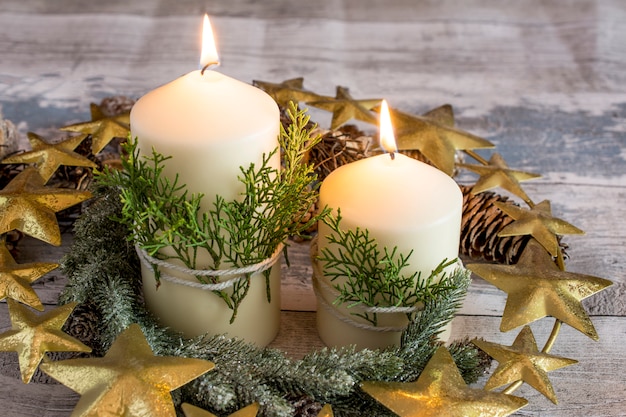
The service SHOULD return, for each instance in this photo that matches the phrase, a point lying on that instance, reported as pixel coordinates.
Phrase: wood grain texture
(544, 81)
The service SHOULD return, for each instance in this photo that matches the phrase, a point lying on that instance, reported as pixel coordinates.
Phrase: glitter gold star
(441, 391)
(537, 222)
(437, 141)
(537, 288)
(523, 361)
(193, 411)
(345, 108)
(49, 157)
(102, 128)
(129, 380)
(32, 336)
(444, 115)
(15, 279)
(498, 174)
(288, 90)
(28, 206)
(326, 411)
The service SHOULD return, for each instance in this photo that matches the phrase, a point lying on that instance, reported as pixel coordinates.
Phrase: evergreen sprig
(366, 276)
(103, 271)
(161, 214)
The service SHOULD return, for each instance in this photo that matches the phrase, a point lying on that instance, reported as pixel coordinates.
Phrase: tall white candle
(211, 125)
(403, 203)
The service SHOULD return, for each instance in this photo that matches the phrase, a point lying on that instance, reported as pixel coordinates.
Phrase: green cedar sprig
(102, 271)
(367, 276)
(162, 214)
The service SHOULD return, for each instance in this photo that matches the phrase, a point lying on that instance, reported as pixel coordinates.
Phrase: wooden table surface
(544, 81)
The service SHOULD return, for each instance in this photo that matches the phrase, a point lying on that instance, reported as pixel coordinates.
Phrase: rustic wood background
(545, 81)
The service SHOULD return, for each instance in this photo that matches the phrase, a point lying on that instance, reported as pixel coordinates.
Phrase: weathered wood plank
(545, 82)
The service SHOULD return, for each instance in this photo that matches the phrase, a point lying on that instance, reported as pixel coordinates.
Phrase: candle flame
(209, 56)
(387, 138)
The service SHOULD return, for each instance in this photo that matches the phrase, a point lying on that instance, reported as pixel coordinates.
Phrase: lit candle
(403, 203)
(211, 125)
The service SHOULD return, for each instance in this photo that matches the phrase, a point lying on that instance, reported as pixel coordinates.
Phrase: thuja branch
(161, 214)
(366, 276)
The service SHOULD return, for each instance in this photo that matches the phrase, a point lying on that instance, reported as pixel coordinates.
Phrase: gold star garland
(32, 336)
(537, 222)
(102, 128)
(28, 206)
(49, 157)
(15, 279)
(441, 391)
(497, 174)
(523, 361)
(129, 380)
(537, 286)
(345, 108)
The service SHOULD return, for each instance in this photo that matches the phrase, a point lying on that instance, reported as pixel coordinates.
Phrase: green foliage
(160, 213)
(103, 271)
(370, 277)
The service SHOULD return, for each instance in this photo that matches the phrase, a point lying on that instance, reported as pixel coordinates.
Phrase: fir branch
(103, 270)
(366, 276)
(419, 340)
(161, 214)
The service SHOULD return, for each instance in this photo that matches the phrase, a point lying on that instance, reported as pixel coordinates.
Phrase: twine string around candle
(236, 274)
(321, 287)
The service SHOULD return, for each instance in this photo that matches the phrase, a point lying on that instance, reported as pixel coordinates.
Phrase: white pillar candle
(211, 125)
(403, 203)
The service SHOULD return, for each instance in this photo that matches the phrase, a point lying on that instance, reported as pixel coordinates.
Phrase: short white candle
(403, 203)
(211, 125)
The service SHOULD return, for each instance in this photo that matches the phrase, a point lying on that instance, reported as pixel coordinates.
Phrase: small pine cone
(339, 147)
(312, 211)
(480, 225)
(83, 325)
(305, 407)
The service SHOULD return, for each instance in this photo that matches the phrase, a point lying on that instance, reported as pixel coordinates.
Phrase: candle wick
(209, 65)
(392, 155)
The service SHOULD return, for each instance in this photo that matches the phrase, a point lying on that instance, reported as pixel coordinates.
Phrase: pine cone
(305, 407)
(480, 225)
(312, 211)
(339, 147)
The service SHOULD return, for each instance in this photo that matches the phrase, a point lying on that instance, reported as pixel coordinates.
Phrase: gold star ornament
(49, 157)
(288, 90)
(523, 361)
(27, 205)
(193, 411)
(128, 381)
(498, 174)
(33, 335)
(538, 288)
(537, 222)
(102, 128)
(437, 141)
(345, 108)
(326, 411)
(15, 279)
(441, 391)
